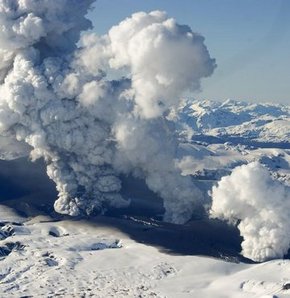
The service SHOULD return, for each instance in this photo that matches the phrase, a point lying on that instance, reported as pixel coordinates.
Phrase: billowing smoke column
(90, 128)
(260, 206)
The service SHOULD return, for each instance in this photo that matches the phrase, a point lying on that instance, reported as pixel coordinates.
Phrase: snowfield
(72, 258)
(130, 252)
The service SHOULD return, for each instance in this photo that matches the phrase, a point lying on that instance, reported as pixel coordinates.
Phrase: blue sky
(250, 40)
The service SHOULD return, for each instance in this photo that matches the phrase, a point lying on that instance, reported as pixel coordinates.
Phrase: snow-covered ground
(72, 258)
(130, 252)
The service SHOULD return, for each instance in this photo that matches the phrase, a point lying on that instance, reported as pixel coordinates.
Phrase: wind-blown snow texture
(89, 128)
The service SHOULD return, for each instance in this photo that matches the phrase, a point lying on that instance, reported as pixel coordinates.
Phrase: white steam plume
(164, 58)
(89, 128)
(260, 206)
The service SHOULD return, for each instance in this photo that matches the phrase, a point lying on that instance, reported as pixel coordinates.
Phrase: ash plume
(98, 110)
(260, 206)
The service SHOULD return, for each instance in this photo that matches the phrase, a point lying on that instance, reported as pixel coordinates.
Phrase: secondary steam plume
(87, 126)
(260, 206)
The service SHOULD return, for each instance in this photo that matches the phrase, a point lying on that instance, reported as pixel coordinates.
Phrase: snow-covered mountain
(218, 136)
(240, 121)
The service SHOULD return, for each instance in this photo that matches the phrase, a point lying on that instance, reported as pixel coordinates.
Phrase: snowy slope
(95, 259)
